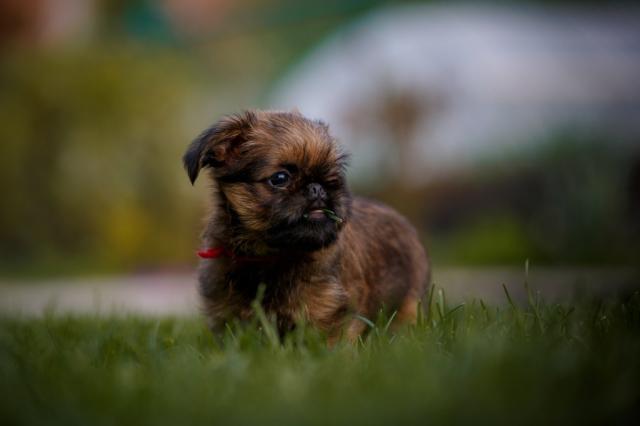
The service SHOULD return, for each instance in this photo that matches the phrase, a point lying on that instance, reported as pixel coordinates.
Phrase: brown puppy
(284, 219)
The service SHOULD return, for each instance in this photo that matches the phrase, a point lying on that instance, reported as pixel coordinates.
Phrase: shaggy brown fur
(274, 172)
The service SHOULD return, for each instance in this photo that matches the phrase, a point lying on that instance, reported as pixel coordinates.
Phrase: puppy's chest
(248, 279)
(291, 295)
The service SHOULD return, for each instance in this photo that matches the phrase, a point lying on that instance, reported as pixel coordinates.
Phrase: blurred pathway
(156, 294)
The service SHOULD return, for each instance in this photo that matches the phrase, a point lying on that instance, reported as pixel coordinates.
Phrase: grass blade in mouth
(332, 215)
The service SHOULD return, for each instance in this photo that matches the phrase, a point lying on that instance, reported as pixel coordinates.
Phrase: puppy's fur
(315, 266)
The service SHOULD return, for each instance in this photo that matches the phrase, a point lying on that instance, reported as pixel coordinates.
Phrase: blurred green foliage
(584, 211)
(570, 199)
(89, 163)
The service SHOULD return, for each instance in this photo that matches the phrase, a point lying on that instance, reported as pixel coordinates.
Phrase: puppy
(284, 219)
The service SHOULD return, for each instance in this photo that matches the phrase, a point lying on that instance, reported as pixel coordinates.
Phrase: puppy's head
(280, 174)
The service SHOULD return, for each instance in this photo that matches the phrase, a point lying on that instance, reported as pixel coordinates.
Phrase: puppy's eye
(333, 183)
(279, 179)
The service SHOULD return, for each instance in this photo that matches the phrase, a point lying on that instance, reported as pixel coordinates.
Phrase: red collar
(221, 251)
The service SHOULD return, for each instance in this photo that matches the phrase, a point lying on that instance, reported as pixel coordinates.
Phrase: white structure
(448, 84)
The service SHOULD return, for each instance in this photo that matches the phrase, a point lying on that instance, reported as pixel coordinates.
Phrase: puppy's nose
(316, 192)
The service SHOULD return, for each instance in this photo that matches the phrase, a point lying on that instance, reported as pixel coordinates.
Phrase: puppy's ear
(217, 145)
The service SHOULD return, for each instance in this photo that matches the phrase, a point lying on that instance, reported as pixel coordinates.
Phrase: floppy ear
(216, 146)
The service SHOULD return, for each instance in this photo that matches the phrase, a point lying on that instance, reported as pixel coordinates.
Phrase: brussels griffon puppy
(283, 219)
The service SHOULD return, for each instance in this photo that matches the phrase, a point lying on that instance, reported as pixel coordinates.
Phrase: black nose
(316, 192)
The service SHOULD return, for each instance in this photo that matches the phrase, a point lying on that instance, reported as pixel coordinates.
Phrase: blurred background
(506, 131)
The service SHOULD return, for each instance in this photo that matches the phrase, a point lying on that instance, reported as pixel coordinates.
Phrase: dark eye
(280, 179)
(333, 183)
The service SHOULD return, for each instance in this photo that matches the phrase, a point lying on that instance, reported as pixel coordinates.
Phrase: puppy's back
(390, 260)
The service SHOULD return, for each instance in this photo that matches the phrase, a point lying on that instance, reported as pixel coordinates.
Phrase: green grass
(537, 364)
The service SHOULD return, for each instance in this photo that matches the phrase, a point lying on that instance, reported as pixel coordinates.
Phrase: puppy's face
(281, 175)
